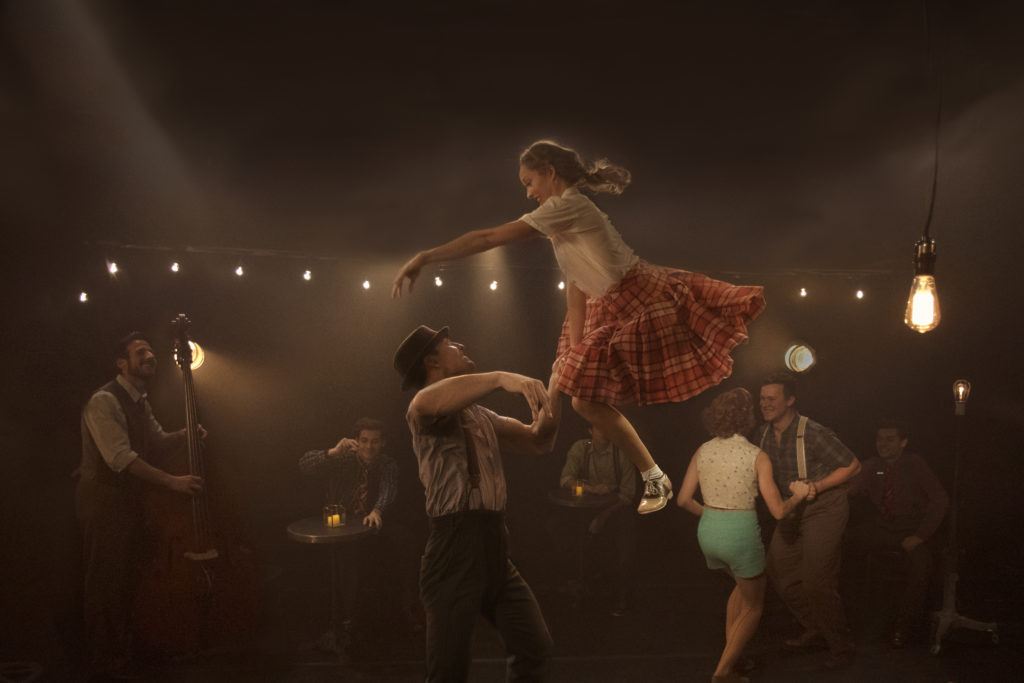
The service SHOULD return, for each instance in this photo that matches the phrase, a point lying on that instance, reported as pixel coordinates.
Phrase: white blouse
(728, 477)
(587, 246)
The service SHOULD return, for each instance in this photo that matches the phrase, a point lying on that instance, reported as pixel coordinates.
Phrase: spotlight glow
(800, 357)
(803, 291)
(198, 355)
(83, 297)
(860, 294)
(239, 271)
(175, 267)
(561, 285)
(438, 281)
(112, 267)
(307, 275)
(494, 285)
(366, 284)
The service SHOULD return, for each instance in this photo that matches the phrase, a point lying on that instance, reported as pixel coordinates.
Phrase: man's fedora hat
(416, 346)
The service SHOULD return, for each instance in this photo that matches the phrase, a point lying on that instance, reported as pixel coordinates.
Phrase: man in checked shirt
(804, 553)
(357, 474)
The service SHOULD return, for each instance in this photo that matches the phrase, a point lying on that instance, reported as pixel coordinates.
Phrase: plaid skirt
(660, 335)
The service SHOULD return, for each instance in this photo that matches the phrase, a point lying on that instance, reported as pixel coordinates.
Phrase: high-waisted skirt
(660, 335)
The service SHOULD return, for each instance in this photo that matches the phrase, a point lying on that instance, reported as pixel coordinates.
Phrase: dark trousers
(465, 572)
(804, 561)
(569, 529)
(111, 524)
(872, 536)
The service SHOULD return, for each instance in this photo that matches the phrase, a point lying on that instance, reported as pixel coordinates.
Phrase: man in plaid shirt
(804, 553)
(357, 474)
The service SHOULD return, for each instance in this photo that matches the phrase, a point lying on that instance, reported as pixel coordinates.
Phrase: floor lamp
(947, 619)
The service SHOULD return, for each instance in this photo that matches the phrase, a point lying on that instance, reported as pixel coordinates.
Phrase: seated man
(358, 475)
(602, 469)
(907, 505)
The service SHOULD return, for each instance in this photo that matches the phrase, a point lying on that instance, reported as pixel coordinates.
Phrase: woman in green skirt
(730, 472)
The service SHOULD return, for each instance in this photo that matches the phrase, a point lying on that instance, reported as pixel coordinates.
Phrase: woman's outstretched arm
(467, 244)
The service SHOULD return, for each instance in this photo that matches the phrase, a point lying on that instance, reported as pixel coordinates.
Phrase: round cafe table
(585, 505)
(312, 530)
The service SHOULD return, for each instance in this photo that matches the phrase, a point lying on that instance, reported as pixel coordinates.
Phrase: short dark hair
(368, 424)
(787, 381)
(121, 348)
(891, 423)
(730, 413)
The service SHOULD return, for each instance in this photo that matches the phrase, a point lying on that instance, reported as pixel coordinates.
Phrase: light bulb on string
(239, 271)
(803, 292)
(438, 281)
(175, 267)
(923, 312)
(83, 297)
(112, 267)
(307, 275)
(859, 294)
(494, 285)
(366, 284)
(561, 284)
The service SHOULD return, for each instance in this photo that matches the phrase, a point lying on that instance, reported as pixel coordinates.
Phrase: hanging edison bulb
(923, 313)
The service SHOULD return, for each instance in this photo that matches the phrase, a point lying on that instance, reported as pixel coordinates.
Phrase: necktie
(889, 493)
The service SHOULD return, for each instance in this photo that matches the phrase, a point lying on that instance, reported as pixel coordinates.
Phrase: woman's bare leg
(744, 626)
(615, 426)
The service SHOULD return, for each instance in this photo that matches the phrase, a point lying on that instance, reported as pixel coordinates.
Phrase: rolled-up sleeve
(109, 430)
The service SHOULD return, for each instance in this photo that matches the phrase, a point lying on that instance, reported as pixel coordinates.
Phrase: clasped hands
(803, 489)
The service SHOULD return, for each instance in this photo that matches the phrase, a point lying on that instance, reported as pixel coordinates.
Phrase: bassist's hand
(187, 484)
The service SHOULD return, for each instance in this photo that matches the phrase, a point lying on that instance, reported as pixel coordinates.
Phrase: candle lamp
(577, 490)
(334, 516)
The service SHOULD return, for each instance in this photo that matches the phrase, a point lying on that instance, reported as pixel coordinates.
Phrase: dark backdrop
(788, 145)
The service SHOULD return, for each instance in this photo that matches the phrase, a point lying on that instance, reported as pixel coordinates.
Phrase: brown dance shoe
(806, 641)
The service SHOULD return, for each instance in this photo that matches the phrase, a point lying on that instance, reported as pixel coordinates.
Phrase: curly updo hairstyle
(599, 176)
(730, 413)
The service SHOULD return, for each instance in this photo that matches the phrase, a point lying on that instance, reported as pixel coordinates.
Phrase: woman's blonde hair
(600, 176)
(730, 413)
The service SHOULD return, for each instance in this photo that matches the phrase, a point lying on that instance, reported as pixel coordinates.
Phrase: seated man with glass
(596, 466)
(360, 481)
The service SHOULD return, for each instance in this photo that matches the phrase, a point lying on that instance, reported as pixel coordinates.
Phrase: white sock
(652, 473)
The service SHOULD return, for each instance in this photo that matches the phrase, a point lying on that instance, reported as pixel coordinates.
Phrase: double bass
(198, 586)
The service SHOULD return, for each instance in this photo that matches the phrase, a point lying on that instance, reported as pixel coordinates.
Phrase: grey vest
(93, 466)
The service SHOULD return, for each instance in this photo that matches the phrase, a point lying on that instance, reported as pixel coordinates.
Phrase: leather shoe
(839, 660)
(808, 640)
(899, 638)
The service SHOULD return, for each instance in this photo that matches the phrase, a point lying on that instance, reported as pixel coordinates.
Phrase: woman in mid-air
(634, 333)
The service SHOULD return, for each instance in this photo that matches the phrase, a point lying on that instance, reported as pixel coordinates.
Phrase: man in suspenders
(466, 571)
(119, 438)
(804, 553)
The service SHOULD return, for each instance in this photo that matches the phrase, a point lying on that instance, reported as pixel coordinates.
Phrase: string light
(860, 294)
(561, 284)
(175, 267)
(803, 292)
(307, 275)
(494, 285)
(366, 284)
(239, 271)
(438, 281)
(112, 267)
(83, 297)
